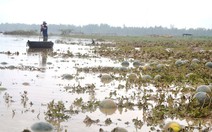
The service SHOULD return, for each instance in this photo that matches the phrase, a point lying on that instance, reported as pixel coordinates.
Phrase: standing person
(44, 30)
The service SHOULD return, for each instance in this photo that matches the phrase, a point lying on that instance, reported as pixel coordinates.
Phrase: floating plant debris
(130, 83)
(88, 121)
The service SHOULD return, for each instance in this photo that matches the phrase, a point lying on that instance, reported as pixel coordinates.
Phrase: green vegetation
(22, 32)
(181, 65)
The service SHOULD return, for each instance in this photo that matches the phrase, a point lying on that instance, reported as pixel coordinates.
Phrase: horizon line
(99, 24)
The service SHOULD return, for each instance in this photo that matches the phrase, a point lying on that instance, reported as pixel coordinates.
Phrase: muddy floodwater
(31, 79)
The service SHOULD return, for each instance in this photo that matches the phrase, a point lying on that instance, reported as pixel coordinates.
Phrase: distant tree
(105, 29)
(66, 31)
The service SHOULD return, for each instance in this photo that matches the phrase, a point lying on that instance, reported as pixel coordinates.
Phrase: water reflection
(106, 78)
(41, 53)
(108, 111)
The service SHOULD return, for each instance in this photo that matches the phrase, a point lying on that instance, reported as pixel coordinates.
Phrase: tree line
(105, 29)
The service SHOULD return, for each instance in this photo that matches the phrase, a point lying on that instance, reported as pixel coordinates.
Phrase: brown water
(39, 73)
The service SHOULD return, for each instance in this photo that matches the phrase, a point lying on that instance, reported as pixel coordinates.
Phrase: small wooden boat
(40, 44)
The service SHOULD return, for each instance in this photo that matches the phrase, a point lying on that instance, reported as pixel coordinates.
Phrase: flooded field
(79, 86)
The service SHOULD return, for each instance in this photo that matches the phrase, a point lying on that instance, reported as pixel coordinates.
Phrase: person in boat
(44, 30)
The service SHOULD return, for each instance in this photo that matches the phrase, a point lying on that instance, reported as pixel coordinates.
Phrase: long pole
(39, 36)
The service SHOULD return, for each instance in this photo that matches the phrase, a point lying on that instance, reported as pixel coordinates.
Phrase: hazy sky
(136, 13)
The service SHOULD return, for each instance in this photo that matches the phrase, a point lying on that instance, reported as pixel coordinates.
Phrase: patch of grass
(22, 32)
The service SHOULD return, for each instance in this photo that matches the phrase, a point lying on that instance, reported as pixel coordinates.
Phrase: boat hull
(40, 44)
